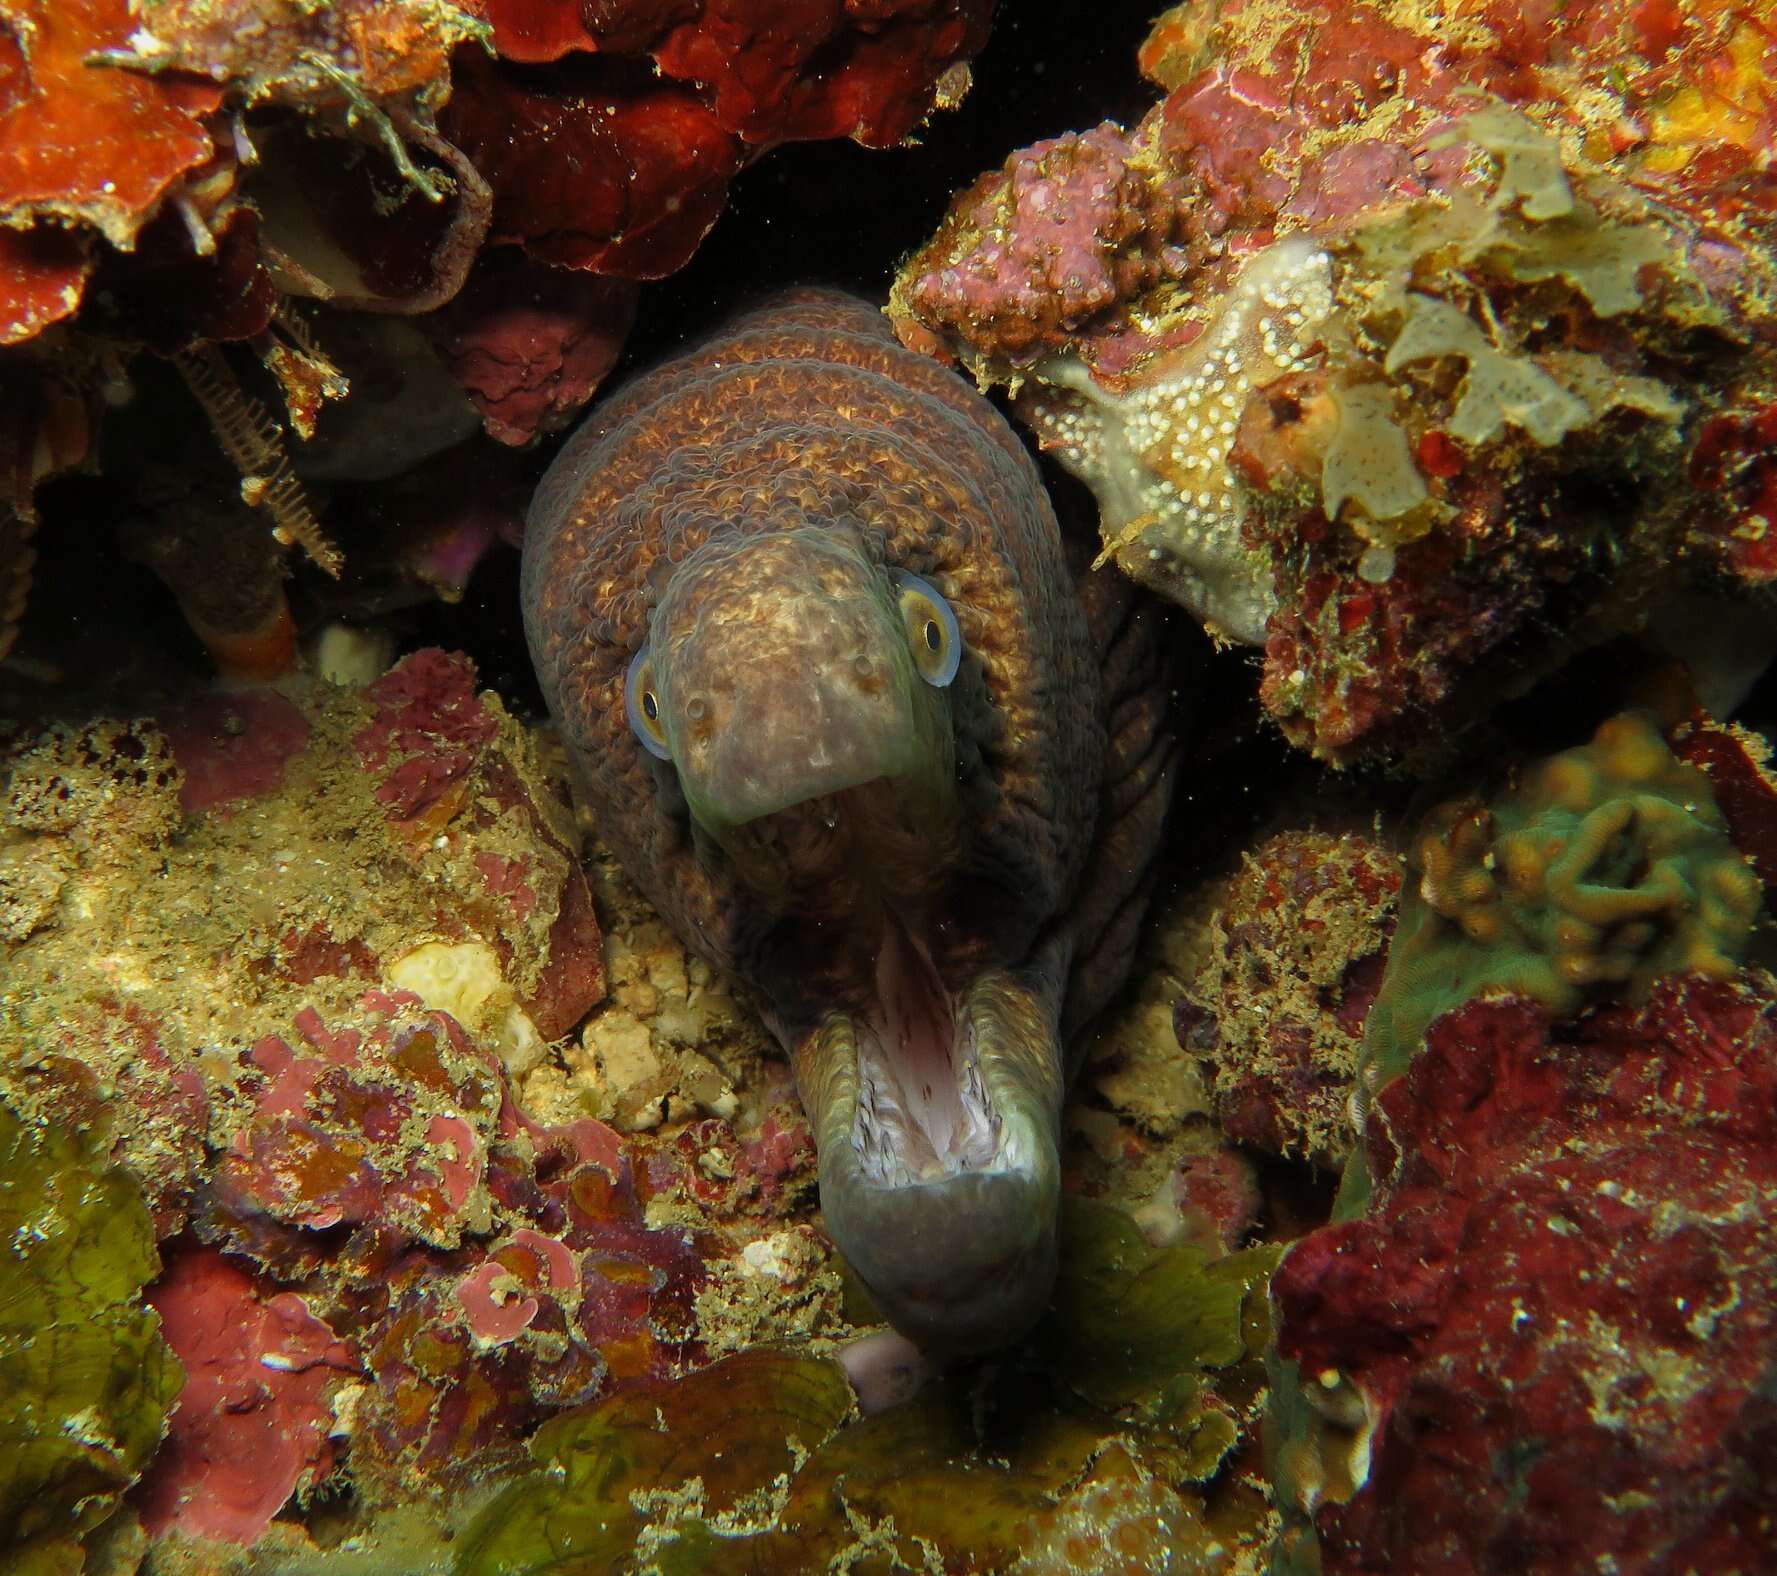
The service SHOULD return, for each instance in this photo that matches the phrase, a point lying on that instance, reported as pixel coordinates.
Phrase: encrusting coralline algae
(385, 1187)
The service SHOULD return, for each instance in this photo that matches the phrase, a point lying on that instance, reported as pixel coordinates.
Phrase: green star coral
(1605, 868)
(85, 1379)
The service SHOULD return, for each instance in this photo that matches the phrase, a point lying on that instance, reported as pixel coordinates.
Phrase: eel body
(870, 735)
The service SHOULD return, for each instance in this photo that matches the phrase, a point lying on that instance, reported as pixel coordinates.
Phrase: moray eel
(870, 736)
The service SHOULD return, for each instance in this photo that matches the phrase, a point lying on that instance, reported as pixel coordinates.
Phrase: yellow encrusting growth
(1730, 108)
(465, 979)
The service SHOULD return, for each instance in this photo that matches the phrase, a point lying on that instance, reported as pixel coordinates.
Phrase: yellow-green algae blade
(85, 1379)
(1130, 1320)
(711, 1445)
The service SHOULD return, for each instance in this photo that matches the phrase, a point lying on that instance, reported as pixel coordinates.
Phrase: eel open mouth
(923, 1111)
(936, 1122)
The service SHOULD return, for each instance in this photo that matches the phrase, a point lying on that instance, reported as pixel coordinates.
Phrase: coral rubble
(1415, 350)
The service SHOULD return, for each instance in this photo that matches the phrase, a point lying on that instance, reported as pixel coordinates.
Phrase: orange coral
(80, 143)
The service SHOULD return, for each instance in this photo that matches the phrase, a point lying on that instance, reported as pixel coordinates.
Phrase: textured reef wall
(1537, 1335)
(1415, 348)
(384, 1188)
(382, 223)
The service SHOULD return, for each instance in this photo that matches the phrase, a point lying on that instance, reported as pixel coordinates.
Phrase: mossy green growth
(1601, 870)
(1132, 1322)
(85, 1379)
(758, 1463)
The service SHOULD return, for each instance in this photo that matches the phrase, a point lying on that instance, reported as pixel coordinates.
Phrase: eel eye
(641, 702)
(932, 632)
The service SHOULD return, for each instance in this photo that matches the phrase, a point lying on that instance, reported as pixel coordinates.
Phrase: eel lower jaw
(942, 1197)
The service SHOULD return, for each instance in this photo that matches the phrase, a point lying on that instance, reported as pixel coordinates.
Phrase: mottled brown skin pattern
(806, 412)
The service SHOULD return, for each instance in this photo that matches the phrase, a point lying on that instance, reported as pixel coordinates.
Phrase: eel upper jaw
(945, 1207)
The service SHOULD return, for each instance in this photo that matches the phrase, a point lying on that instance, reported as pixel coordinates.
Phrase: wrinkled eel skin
(931, 887)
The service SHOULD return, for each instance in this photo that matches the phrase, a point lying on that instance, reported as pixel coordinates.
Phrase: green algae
(1131, 1320)
(1530, 172)
(1499, 388)
(85, 1379)
(1601, 870)
(757, 1463)
(1422, 266)
(1368, 459)
(1532, 228)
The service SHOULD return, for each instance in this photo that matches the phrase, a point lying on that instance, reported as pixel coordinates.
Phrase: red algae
(1549, 1250)
(254, 1421)
(234, 747)
(661, 109)
(488, 1219)
(79, 148)
(531, 343)
(179, 176)
(1567, 1277)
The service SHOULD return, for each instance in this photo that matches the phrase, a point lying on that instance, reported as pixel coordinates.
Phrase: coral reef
(262, 1034)
(401, 1248)
(370, 930)
(385, 1187)
(1413, 353)
(1141, 1129)
(459, 853)
(1550, 1251)
(1605, 868)
(1278, 1011)
(403, 1253)
(1566, 1279)
(85, 1378)
(240, 190)
(756, 1462)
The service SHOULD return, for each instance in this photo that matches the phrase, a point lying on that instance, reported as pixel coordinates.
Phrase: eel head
(800, 689)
